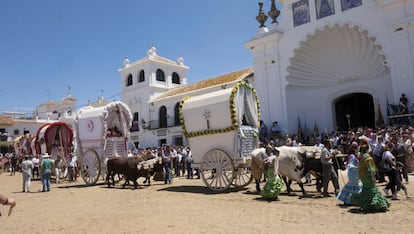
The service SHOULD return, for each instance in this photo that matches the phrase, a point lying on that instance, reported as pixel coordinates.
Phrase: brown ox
(130, 168)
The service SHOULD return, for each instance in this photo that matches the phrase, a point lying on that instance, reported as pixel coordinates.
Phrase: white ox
(292, 161)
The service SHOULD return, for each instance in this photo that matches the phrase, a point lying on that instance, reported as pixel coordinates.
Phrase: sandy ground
(187, 206)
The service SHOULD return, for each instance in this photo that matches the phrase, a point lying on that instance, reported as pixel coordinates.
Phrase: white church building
(327, 63)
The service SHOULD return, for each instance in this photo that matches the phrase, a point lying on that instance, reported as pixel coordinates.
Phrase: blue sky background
(48, 45)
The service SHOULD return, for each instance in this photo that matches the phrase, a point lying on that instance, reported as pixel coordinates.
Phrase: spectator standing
(46, 167)
(27, 169)
(166, 162)
(13, 164)
(36, 164)
(71, 167)
(377, 150)
(189, 160)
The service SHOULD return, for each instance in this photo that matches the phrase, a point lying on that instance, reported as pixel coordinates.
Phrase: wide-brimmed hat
(45, 155)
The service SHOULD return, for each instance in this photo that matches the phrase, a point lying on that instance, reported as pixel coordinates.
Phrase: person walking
(27, 169)
(389, 165)
(370, 199)
(274, 184)
(46, 167)
(353, 186)
(328, 171)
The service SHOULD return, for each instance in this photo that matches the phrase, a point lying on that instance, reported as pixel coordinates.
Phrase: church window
(175, 78)
(129, 80)
(141, 77)
(160, 75)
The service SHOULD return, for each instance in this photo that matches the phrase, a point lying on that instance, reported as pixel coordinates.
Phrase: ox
(294, 163)
(130, 167)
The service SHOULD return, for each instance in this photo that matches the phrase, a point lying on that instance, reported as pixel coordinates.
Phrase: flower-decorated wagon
(221, 128)
(101, 132)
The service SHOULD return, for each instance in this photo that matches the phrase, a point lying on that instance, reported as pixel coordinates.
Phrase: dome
(335, 55)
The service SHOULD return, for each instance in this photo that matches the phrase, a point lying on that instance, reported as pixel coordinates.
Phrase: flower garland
(233, 113)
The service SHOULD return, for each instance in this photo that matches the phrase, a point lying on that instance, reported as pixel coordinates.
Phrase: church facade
(332, 63)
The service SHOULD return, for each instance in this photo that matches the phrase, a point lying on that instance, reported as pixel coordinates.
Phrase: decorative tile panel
(324, 8)
(301, 14)
(348, 4)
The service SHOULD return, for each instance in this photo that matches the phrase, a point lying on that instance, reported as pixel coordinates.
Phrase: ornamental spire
(274, 12)
(261, 18)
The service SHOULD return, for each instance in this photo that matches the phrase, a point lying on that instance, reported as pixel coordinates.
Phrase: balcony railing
(157, 124)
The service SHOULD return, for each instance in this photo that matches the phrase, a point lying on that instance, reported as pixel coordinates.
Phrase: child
(400, 185)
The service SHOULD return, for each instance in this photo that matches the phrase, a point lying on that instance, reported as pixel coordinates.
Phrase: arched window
(160, 75)
(141, 77)
(162, 116)
(135, 123)
(175, 78)
(177, 114)
(129, 80)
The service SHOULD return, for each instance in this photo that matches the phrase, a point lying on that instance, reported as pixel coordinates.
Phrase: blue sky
(48, 45)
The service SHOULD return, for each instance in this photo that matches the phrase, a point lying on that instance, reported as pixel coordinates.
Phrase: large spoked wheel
(217, 170)
(90, 167)
(242, 177)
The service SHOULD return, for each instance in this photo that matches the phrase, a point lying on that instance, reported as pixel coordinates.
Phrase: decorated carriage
(101, 132)
(221, 128)
(56, 139)
(22, 145)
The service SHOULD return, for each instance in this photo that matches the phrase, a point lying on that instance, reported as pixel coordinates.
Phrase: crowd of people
(373, 157)
(176, 159)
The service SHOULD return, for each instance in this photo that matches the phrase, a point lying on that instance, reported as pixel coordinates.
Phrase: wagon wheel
(90, 167)
(217, 170)
(242, 177)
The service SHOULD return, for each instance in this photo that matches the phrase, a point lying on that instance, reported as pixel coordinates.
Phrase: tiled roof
(219, 80)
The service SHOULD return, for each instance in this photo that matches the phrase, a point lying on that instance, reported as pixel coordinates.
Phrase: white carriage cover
(93, 124)
(217, 117)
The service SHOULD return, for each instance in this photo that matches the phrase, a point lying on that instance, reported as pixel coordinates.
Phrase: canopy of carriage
(56, 139)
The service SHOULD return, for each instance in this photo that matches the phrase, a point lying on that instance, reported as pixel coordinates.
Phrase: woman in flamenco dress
(274, 184)
(353, 186)
(370, 199)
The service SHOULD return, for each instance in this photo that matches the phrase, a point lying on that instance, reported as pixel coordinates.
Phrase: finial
(274, 12)
(69, 93)
(180, 60)
(261, 18)
(126, 62)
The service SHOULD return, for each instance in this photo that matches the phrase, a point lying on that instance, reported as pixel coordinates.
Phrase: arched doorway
(359, 107)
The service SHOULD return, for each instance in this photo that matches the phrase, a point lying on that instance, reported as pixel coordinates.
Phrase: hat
(354, 144)
(45, 155)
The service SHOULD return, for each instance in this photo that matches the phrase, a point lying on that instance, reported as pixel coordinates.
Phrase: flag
(299, 129)
(315, 130)
(379, 122)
